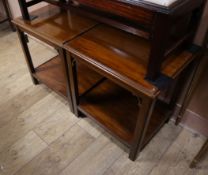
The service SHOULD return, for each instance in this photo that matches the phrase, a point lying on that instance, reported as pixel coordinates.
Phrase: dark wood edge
(146, 106)
(93, 87)
(39, 36)
(200, 154)
(62, 55)
(106, 129)
(156, 131)
(49, 87)
(115, 76)
(27, 55)
(105, 18)
(198, 56)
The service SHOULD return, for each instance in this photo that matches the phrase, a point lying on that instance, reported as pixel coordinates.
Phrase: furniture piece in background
(201, 153)
(144, 19)
(124, 94)
(191, 86)
(7, 12)
(126, 104)
(192, 83)
(53, 28)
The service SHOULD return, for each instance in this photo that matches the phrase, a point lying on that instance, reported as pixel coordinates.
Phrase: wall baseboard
(194, 122)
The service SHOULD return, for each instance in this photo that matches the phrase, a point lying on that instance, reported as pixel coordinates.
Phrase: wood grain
(102, 153)
(91, 127)
(56, 124)
(27, 120)
(126, 10)
(20, 153)
(182, 149)
(59, 154)
(55, 27)
(124, 57)
(163, 151)
(31, 96)
(148, 158)
(126, 61)
(51, 73)
(104, 104)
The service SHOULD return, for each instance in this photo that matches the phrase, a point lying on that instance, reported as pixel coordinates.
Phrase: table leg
(72, 70)
(8, 13)
(201, 153)
(192, 82)
(28, 58)
(62, 54)
(146, 107)
(24, 9)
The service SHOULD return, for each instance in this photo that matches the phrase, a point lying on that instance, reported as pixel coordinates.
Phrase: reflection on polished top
(124, 56)
(55, 25)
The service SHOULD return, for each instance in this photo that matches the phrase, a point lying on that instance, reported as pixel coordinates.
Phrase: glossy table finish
(105, 69)
(127, 105)
(141, 18)
(54, 25)
(125, 57)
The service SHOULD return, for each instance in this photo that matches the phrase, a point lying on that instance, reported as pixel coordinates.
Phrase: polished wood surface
(124, 56)
(142, 19)
(51, 74)
(123, 59)
(116, 110)
(86, 78)
(55, 26)
(130, 65)
(180, 21)
(39, 116)
(135, 13)
(178, 61)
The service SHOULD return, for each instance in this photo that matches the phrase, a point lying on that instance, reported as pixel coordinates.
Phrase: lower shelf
(51, 73)
(111, 106)
(116, 109)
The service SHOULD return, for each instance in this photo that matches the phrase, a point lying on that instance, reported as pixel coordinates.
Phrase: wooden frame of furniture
(191, 85)
(54, 78)
(51, 28)
(201, 153)
(103, 50)
(105, 70)
(8, 15)
(143, 19)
